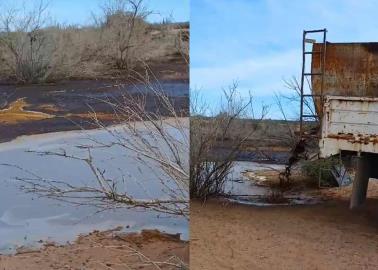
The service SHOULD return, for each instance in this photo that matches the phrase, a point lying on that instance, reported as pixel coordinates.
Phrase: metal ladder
(322, 54)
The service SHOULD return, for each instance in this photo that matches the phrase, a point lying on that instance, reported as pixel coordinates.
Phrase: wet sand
(225, 235)
(106, 250)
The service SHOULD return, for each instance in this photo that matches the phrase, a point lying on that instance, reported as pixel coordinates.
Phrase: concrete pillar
(361, 181)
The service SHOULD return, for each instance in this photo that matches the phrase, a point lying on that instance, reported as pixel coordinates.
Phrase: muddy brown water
(80, 97)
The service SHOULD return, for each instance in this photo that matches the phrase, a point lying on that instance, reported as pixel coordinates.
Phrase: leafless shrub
(123, 28)
(27, 48)
(294, 85)
(209, 170)
(299, 146)
(33, 49)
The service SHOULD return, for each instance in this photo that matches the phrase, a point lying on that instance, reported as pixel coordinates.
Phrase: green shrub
(321, 168)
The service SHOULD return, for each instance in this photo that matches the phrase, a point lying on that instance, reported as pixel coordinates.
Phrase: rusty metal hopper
(351, 69)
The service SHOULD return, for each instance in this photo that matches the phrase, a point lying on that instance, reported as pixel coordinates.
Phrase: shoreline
(111, 249)
(60, 134)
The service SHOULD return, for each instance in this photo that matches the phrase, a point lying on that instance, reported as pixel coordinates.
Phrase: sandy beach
(110, 249)
(322, 236)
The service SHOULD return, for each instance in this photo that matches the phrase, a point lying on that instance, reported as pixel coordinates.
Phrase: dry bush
(209, 170)
(305, 146)
(170, 40)
(123, 32)
(77, 53)
(26, 49)
(182, 43)
(34, 50)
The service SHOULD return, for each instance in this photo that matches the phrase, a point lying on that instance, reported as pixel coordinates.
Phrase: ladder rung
(312, 74)
(316, 52)
(316, 31)
(310, 40)
(309, 95)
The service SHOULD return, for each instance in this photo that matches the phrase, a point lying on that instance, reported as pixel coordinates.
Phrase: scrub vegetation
(209, 171)
(35, 49)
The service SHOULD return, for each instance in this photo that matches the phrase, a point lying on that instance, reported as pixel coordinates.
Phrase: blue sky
(258, 42)
(79, 11)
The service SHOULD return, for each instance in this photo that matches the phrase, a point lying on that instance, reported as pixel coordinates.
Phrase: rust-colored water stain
(351, 69)
(16, 113)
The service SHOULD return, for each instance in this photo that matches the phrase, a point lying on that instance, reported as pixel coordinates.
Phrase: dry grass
(83, 53)
(33, 50)
(269, 134)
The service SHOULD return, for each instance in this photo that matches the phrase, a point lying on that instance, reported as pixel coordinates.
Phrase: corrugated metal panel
(349, 123)
(351, 69)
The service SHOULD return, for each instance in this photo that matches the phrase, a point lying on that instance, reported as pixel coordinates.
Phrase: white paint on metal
(349, 123)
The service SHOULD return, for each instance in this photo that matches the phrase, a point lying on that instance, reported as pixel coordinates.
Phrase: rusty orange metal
(351, 69)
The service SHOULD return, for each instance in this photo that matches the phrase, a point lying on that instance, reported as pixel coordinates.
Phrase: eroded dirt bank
(149, 249)
(322, 236)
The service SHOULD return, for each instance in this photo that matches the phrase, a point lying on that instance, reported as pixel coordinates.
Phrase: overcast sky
(258, 42)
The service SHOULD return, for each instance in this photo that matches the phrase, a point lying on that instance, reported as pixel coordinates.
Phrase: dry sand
(105, 250)
(323, 236)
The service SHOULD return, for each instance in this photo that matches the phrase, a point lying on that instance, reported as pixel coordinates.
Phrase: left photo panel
(94, 134)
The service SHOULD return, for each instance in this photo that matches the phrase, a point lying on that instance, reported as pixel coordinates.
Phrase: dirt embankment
(106, 250)
(322, 236)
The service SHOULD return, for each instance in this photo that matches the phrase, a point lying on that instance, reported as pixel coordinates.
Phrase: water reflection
(26, 218)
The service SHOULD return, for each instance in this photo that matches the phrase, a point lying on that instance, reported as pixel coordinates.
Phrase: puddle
(247, 187)
(25, 218)
(242, 185)
(257, 200)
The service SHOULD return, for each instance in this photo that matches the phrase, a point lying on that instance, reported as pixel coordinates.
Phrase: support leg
(361, 181)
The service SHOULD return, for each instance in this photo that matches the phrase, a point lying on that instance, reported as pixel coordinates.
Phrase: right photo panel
(283, 134)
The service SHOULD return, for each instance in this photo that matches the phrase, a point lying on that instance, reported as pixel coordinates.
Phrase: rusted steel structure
(349, 123)
(344, 87)
(350, 70)
(346, 96)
